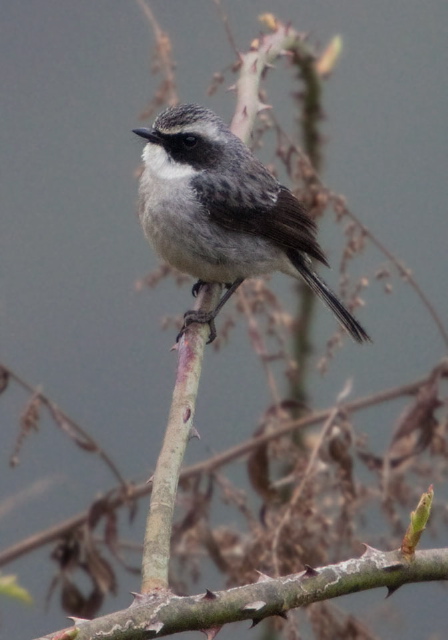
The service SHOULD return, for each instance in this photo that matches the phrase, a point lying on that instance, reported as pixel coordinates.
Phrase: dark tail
(319, 287)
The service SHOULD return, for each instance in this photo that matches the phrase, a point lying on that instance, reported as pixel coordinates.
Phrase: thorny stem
(253, 67)
(153, 617)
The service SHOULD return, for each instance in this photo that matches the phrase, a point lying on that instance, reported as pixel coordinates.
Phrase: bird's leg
(208, 317)
(197, 287)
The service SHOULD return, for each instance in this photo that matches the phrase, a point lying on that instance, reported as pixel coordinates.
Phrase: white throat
(158, 162)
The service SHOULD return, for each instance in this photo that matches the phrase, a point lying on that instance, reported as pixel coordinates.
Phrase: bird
(211, 209)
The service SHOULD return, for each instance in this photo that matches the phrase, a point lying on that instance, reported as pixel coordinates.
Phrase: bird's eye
(190, 141)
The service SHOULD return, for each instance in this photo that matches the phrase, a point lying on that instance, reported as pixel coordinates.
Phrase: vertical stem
(156, 548)
(309, 121)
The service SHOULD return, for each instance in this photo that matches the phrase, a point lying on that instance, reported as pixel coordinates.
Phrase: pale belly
(184, 236)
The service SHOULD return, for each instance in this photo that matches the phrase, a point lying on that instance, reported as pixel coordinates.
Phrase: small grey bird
(211, 209)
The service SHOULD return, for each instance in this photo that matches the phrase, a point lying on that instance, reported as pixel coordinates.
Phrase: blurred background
(75, 78)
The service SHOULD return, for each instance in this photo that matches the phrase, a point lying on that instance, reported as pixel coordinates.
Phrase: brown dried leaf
(258, 470)
(29, 421)
(100, 571)
(72, 600)
(416, 426)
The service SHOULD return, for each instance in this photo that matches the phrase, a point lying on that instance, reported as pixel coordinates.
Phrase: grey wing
(272, 212)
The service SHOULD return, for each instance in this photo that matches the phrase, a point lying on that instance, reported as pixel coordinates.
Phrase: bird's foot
(202, 317)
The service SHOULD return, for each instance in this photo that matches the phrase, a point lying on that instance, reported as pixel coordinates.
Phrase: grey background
(74, 77)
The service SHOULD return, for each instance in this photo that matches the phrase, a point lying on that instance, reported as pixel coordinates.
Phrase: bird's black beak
(149, 134)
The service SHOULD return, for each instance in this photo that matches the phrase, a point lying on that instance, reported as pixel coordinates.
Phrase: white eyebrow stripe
(207, 129)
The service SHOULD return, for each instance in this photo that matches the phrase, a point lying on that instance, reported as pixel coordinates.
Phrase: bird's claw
(197, 287)
(202, 317)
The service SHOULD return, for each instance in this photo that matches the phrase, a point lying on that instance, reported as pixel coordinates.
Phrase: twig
(65, 423)
(36, 489)
(166, 92)
(225, 20)
(258, 343)
(310, 468)
(404, 272)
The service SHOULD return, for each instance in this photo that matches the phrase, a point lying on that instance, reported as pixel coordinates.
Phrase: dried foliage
(77, 552)
(312, 515)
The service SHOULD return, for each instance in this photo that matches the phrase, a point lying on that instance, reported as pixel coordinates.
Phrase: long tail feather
(347, 320)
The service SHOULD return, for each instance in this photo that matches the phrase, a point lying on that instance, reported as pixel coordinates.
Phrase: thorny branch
(165, 614)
